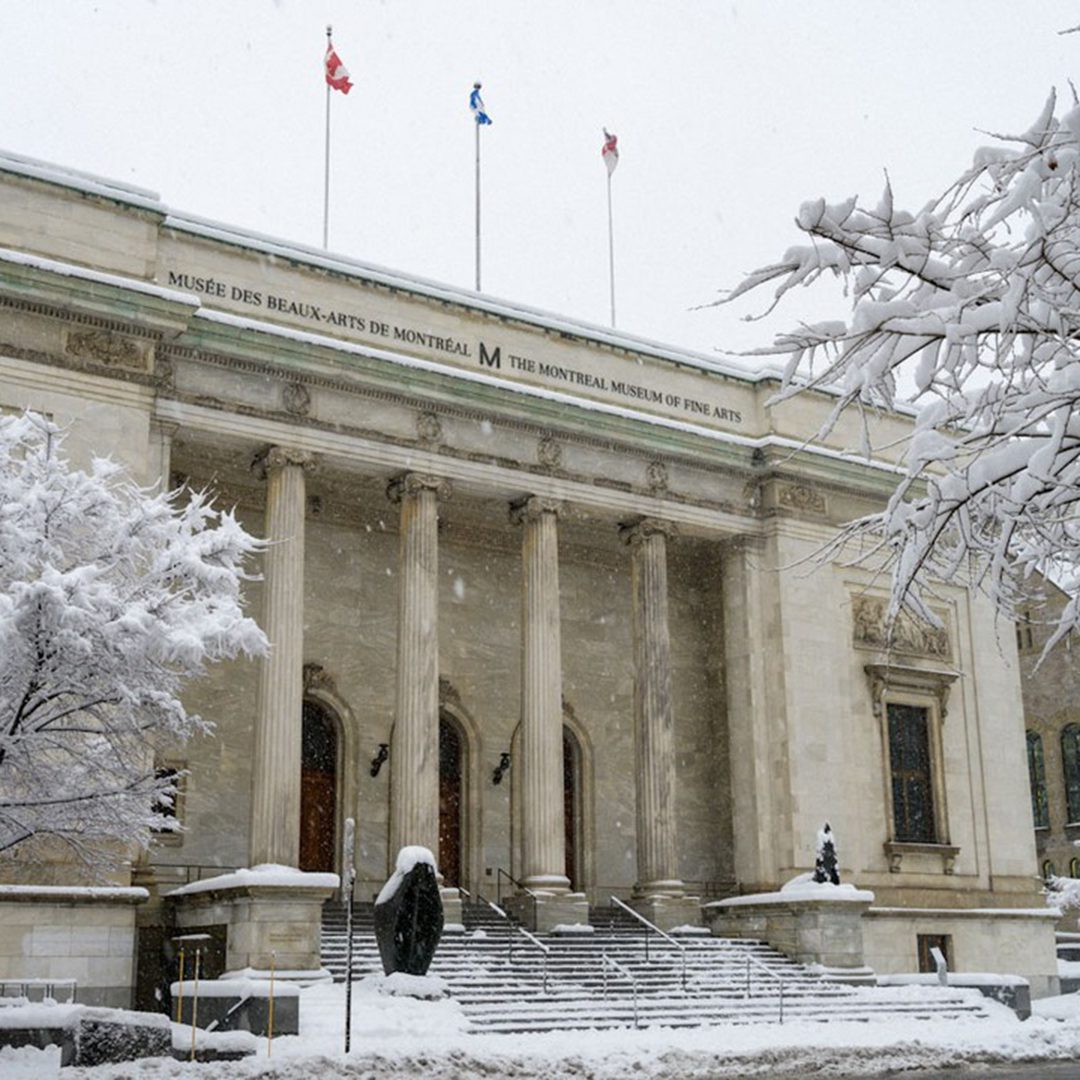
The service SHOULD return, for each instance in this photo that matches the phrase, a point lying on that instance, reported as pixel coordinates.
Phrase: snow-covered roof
(442, 292)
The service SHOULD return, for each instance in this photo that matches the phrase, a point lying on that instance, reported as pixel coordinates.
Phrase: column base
(668, 912)
(542, 912)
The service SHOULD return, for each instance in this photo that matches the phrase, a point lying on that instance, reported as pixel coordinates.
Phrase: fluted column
(414, 751)
(275, 801)
(654, 735)
(543, 841)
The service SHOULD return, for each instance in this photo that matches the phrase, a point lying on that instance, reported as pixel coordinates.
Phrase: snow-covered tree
(110, 599)
(970, 308)
(825, 865)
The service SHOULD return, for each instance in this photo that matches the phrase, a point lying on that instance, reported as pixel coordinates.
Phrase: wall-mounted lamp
(379, 758)
(502, 768)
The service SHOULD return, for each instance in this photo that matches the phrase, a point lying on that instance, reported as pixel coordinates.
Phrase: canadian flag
(610, 151)
(337, 75)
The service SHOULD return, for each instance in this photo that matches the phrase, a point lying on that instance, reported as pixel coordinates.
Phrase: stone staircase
(606, 980)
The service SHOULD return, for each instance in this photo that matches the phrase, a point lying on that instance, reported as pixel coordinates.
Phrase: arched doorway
(318, 788)
(451, 799)
(572, 806)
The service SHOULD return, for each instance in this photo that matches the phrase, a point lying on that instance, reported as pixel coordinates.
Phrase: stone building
(537, 597)
(1052, 718)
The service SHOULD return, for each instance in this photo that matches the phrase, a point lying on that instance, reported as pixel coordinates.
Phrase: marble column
(654, 734)
(414, 751)
(543, 841)
(275, 797)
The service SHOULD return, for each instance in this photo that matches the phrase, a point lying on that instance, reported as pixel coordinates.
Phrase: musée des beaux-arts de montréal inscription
(486, 356)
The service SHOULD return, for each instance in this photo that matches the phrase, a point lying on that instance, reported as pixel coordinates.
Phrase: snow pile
(401, 984)
(407, 858)
(29, 1063)
(239, 988)
(263, 875)
(803, 887)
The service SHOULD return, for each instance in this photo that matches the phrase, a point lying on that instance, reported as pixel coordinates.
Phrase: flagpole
(326, 165)
(477, 126)
(611, 249)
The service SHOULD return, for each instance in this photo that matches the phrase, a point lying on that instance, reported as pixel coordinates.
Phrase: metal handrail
(753, 961)
(500, 873)
(656, 929)
(620, 970)
(510, 928)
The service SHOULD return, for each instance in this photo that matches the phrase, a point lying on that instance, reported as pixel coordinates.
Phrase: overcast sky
(728, 116)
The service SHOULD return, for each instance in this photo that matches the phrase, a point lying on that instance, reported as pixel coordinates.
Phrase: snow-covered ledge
(273, 916)
(810, 922)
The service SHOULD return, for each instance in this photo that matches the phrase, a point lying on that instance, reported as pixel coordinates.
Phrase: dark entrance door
(571, 803)
(450, 797)
(318, 789)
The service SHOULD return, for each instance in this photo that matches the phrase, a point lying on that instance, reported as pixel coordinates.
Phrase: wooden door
(570, 804)
(318, 789)
(450, 798)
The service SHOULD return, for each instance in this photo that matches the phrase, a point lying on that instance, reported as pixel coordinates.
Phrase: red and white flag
(337, 75)
(610, 151)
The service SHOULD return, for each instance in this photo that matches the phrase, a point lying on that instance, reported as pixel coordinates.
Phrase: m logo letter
(492, 359)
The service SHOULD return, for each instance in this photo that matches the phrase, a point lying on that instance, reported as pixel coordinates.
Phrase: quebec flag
(476, 103)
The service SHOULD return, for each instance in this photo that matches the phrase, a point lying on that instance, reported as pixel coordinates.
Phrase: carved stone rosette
(800, 497)
(656, 476)
(429, 428)
(296, 398)
(549, 453)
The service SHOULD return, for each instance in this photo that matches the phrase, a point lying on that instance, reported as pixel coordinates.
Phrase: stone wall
(84, 934)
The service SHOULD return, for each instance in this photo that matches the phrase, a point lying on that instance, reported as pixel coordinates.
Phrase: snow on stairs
(727, 981)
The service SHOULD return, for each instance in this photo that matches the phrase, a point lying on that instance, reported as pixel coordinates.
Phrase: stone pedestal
(544, 911)
(275, 795)
(277, 925)
(809, 930)
(669, 912)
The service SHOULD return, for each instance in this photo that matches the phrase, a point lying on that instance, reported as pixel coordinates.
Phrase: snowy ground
(395, 1038)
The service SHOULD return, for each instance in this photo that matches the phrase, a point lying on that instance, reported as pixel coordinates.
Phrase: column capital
(532, 507)
(277, 457)
(634, 532)
(411, 483)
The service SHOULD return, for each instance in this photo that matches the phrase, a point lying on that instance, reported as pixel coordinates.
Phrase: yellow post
(180, 984)
(195, 1003)
(270, 1017)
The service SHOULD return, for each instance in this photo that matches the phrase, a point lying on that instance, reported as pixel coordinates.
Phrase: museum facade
(540, 596)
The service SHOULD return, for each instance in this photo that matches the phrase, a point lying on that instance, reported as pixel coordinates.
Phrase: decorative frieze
(107, 348)
(429, 429)
(906, 634)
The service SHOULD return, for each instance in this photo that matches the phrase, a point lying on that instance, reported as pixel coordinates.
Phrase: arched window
(1040, 808)
(1070, 762)
(1074, 868)
(1049, 870)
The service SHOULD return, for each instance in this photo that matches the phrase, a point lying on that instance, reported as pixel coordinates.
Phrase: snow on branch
(110, 599)
(969, 308)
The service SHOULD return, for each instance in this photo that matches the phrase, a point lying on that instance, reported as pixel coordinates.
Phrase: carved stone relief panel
(907, 634)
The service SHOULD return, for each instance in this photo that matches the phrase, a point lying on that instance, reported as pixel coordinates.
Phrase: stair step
(500, 995)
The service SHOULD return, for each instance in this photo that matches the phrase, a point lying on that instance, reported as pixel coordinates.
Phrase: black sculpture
(825, 868)
(409, 914)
